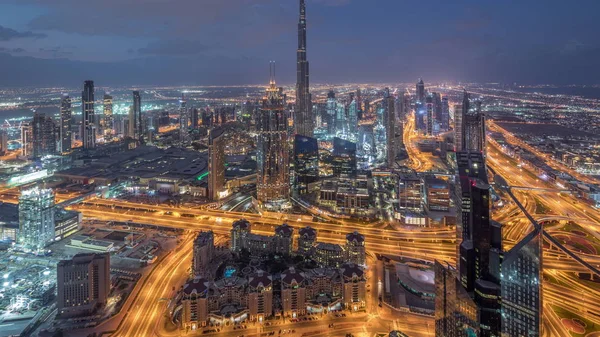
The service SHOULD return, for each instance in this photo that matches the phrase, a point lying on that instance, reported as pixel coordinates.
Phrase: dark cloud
(334, 3)
(57, 52)
(173, 47)
(7, 34)
(12, 50)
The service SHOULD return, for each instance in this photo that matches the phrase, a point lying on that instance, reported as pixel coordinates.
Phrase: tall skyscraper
(303, 120)
(183, 121)
(66, 121)
(135, 117)
(216, 163)
(331, 112)
(481, 242)
(43, 135)
(420, 91)
(470, 126)
(3, 141)
(26, 139)
(455, 310)
(430, 114)
(521, 285)
(306, 162)
(389, 121)
(194, 119)
(88, 115)
(344, 157)
(83, 284)
(108, 115)
(36, 218)
(353, 119)
(445, 120)
(272, 153)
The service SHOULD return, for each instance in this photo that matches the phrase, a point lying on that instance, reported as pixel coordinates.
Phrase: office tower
(83, 284)
(66, 121)
(399, 107)
(108, 115)
(481, 241)
(183, 121)
(352, 119)
(458, 128)
(88, 116)
(272, 154)
(389, 122)
(3, 141)
(344, 157)
(430, 114)
(26, 139)
(204, 252)
(307, 237)
(135, 117)
(409, 192)
(44, 135)
(36, 218)
(331, 112)
(293, 293)
(283, 239)
(260, 296)
(470, 126)
(303, 120)
(445, 116)
(341, 127)
(521, 285)
(306, 162)
(355, 248)
(194, 118)
(455, 311)
(473, 189)
(436, 194)
(420, 91)
(367, 106)
(206, 117)
(216, 163)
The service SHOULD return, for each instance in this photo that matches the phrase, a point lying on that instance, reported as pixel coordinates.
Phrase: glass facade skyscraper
(88, 115)
(66, 121)
(344, 157)
(36, 218)
(455, 310)
(306, 162)
(521, 279)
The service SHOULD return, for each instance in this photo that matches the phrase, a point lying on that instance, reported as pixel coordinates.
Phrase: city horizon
(44, 44)
(364, 198)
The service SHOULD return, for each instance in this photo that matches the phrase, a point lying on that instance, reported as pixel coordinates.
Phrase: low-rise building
(355, 248)
(260, 296)
(307, 237)
(329, 254)
(354, 282)
(293, 293)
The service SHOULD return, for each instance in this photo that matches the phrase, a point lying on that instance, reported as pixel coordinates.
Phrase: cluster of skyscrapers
(432, 115)
(491, 292)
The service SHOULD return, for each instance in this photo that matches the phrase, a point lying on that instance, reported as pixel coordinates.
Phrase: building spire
(303, 122)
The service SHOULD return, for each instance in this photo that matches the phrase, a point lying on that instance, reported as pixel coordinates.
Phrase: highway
(433, 245)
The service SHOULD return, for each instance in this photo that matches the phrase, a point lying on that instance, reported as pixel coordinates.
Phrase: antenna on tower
(272, 71)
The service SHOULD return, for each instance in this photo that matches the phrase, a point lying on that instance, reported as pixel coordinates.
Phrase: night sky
(156, 42)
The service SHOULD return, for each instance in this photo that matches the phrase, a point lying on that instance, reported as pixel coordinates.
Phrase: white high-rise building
(36, 218)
